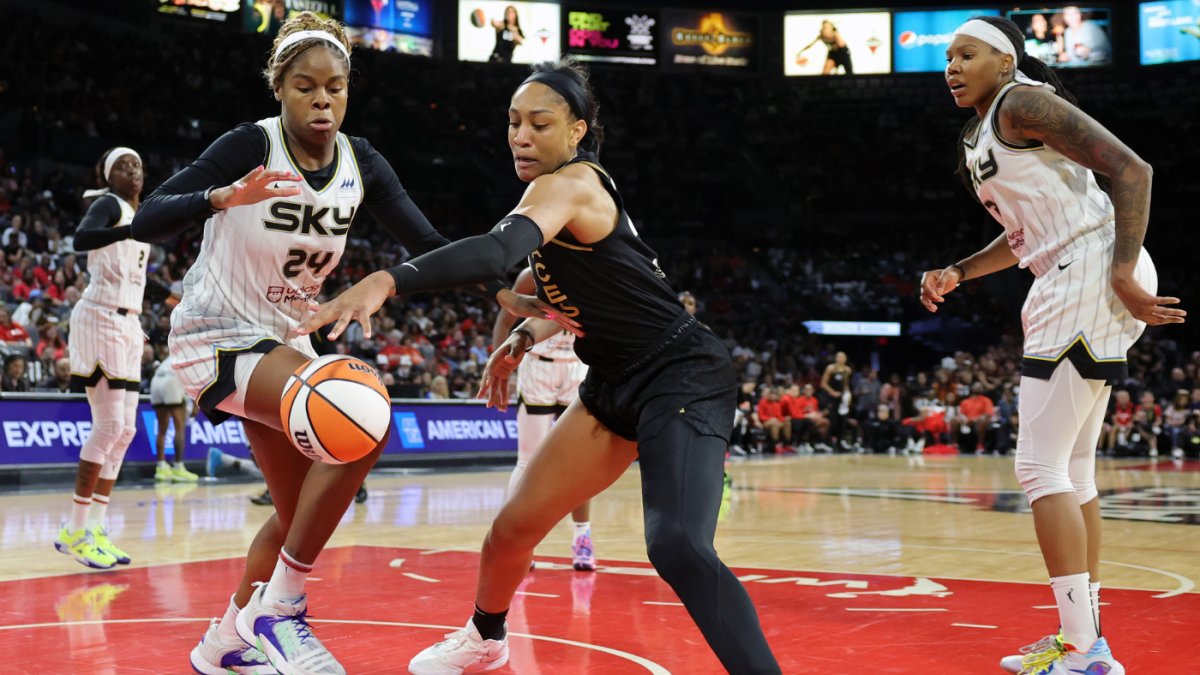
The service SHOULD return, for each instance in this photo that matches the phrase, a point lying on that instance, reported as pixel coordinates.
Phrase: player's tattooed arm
(1033, 113)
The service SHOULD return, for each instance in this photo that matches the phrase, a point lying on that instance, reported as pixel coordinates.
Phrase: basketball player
(279, 197)
(1041, 167)
(106, 346)
(170, 405)
(660, 388)
(547, 382)
(837, 52)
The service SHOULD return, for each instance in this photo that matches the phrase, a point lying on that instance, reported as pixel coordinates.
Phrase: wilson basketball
(335, 410)
(477, 18)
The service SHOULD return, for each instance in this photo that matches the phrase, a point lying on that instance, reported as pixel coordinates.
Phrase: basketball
(477, 18)
(335, 410)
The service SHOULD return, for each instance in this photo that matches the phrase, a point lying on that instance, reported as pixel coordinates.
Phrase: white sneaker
(215, 657)
(463, 651)
(281, 631)
(1055, 661)
(1013, 664)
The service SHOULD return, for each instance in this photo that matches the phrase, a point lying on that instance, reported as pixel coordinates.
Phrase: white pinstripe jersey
(118, 271)
(1044, 200)
(561, 347)
(260, 264)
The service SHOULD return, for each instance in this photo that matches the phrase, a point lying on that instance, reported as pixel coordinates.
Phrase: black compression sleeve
(156, 292)
(398, 215)
(179, 203)
(473, 260)
(94, 230)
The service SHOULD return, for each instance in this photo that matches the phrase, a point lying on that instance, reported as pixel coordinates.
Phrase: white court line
(537, 595)
(418, 577)
(972, 625)
(663, 604)
(649, 665)
(894, 609)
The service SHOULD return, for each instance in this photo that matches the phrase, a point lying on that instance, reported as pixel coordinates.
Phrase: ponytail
(1036, 70)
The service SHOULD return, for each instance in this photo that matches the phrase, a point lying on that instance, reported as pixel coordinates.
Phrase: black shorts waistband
(680, 328)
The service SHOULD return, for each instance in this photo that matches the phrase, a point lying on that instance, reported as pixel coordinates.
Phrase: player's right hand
(493, 387)
(935, 284)
(255, 187)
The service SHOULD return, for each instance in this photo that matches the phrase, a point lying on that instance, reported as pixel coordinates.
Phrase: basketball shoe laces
(1042, 653)
(318, 657)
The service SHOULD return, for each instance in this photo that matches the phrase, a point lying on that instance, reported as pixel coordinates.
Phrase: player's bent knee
(1085, 491)
(103, 438)
(673, 553)
(1041, 480)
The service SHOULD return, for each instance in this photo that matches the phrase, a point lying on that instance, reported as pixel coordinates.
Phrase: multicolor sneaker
(163, 473)
(216, 657)
(281, 631)
(727, 489)
(1014, 664)
(100, 537)
(80, 545)
(463, 651)
(1060, 659)
(180, 474)
(583, 554)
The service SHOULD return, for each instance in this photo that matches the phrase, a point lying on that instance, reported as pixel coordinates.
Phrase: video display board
(508, 31)
(1067, 36)
(1169, 31)
(837, 43)
(266, 16)
(612, 36)
(389, 41)
(398, 16)
(212, 10)
(697, 39)
(922, 37)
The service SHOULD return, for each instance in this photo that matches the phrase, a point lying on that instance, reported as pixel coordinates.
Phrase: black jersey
(613, 287)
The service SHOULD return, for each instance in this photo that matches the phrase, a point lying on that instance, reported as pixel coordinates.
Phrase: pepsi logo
(908, 39)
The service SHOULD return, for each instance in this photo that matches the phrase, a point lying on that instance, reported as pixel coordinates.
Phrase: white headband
(309, 35)
(109, 161)
(995, 37)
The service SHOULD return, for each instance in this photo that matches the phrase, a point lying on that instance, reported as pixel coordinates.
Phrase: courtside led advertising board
(837, 43)
(922, 37)
(1067, 36)
(507, 31)
(1169, 31)
(612, 36)
(700, 40)
(399, 16)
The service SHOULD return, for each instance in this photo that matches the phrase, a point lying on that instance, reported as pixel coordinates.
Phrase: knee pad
(1082, 474)
(116, 455)
(1039, 479)
(103, 438)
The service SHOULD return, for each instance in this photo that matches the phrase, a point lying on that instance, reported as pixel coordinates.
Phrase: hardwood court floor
(857, 564)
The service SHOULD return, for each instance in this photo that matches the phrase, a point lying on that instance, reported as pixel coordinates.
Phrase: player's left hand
(357, 304)
(1143, 305)
(493, 387)
(530, 307)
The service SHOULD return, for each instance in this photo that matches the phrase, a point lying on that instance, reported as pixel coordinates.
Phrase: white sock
(179, 464)
(582, 528)
(79, 512)
(1075, 610)
(99, 508)
(287, 583)
(1094, 592)
(163, 464)
(227, 629)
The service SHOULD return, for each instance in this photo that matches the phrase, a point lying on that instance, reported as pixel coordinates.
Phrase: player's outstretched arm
(935, 284)
(1032, 113)
(493, 386)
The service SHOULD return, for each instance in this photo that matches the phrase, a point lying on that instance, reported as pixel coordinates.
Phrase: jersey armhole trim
(1030, 147)
(357, 168)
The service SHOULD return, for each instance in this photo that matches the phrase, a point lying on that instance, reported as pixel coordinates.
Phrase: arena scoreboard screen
(1169, 31)
(389, 41)
(1067, 36)
(414, 17)
(921, 38)
(694, 40)
(508, 31)
(837, 43)
(266, 16)
(213, 10)
(612, 36)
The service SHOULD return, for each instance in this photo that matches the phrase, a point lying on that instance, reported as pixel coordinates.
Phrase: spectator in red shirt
(1148, 421)
(1121, 419)
(23, 288)
(41, 272)
(769, 415)
(804, 412)
(11, 332)
(979, 412)
(51, 347)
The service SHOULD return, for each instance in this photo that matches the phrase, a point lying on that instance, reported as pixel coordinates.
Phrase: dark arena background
(798, 209)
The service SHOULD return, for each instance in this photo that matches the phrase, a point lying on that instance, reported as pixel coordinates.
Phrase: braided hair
(1036, 70)
(301, 21)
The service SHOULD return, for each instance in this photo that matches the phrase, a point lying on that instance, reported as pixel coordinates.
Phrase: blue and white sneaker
(216, 657)
(281, 631)
(1060, 659)
(214, 462)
